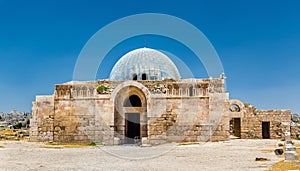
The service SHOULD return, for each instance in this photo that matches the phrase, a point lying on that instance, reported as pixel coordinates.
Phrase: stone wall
(295, 131)
(199, 114)
(42, 122)
(174, 110)
(72, 115)
(251, 122)
(85, 117)
(175, 118)
(171, 111)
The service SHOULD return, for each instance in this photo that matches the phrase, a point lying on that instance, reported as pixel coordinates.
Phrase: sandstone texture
(187, 110)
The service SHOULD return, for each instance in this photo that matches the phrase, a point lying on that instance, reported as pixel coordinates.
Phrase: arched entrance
(130, 116)
(236, 109)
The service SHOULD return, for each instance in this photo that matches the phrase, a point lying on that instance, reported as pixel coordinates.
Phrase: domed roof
(144, 64)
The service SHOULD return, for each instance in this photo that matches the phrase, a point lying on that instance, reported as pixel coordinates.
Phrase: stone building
(145, 101)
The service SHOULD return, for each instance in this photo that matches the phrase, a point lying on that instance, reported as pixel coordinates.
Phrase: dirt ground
(229, 155)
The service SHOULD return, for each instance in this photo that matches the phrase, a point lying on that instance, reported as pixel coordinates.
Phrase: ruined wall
(251, 122)
(75, 113)
(42, 122)
(295, 131)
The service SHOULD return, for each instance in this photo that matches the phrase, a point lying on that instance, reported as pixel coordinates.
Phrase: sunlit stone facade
(146, 102)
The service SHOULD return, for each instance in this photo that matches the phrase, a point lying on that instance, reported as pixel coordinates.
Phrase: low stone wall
(251, 127)
(41, 124)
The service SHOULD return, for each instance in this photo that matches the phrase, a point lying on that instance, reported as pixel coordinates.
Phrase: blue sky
(257, 41)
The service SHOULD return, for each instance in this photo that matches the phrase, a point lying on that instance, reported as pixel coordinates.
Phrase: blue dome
(144, 64)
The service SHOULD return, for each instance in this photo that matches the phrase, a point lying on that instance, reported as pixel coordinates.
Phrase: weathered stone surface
(287, 137)
(170, 111)
(295, 131)
(291, 155)
(290, 147)
(252, 122)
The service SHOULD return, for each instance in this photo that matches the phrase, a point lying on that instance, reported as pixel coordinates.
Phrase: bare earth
(230, 155)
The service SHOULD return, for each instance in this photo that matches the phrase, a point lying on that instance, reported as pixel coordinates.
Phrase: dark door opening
(144, 76)
(265, 130)
(134, 77)
(235, 127)
(132, 127)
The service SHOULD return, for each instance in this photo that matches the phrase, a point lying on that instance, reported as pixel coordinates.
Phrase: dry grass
(189, 143)
(8, 132)
(70, 145)
(267, 151)
(53, 146)
(284, 166)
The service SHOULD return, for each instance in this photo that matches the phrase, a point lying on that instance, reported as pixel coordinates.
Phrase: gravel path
(229, 155)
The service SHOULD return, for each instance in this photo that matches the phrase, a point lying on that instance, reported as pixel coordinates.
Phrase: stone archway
(130, 114)
(236, 114)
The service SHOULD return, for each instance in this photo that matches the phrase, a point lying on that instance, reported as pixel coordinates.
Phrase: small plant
(92, 144)
(102, 88)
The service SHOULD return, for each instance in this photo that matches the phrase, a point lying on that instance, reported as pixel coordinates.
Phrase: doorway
(235, 127)
(265, 130)
(132, 128)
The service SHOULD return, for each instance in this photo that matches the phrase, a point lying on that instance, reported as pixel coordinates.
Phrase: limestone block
(116, 141)
(287, 136)
(290, 147)
(291, 156)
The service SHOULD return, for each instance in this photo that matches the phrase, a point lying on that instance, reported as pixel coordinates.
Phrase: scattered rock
(280, 144)
(261, 159)
(278, 151)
